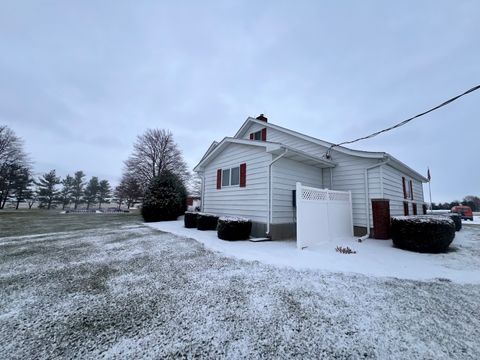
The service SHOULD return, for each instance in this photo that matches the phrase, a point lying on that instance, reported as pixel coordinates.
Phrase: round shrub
(457, 219)
(206, 221)
(190, 219)
(234, 228)
(165, 198)
(425, 234)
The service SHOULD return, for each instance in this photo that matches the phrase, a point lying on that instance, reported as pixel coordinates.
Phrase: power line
(404, 121)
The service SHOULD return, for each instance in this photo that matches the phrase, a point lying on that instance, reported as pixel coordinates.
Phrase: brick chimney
(262, 118)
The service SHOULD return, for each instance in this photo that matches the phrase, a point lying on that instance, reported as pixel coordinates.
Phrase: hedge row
(228, 228)
(234, 228)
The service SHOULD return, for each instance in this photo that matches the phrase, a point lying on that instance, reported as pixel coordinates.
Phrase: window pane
(258, 135)
(226, 177)
(235, 176)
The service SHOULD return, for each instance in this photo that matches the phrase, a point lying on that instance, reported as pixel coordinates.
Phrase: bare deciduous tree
(194, 185)
(128, 191)
(12, 160)
(153, 152)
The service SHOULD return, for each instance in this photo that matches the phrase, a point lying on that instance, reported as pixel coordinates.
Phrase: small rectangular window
(257, 135)
(235, 176)
(226, 177)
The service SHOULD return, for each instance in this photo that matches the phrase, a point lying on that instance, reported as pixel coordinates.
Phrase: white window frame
(230, 177)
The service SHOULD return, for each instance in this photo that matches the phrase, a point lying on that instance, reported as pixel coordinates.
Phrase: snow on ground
(476, 221)
(373, 257)
(128, 292)
(136, 293)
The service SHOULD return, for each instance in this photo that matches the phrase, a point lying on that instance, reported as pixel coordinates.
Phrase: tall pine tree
(91, 191)
(78, 187)
(47, 189)
(66, 194)
(21, 188)
(104, 192)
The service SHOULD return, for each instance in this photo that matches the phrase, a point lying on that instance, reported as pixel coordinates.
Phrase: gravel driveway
(128, 291)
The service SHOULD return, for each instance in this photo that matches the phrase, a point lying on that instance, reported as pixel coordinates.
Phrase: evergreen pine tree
(165, 198)
(78, 187)
(104, 192)
(22, 182)
(66, 194)
(91, 191)
(47, 191)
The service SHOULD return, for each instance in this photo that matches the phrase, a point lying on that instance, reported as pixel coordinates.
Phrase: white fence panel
(322, 215)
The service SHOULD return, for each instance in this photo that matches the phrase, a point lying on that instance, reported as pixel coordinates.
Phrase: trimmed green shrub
(206, 221)
(234, 228)
(165, 198)
(190, 219)
(457, 219)
(425, 234)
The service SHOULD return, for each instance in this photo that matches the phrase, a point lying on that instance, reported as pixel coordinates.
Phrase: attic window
(259, 135)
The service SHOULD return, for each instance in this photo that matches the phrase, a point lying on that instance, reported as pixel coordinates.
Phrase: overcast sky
(80, 79)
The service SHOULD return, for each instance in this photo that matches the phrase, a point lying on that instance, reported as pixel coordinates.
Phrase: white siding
(348, 175)
(327, 178)
(254, 128)
(374, 188)
(393, 190)
(285, 174)
(250, 201)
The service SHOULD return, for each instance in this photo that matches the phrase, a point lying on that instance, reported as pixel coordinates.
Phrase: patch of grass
(30, 222)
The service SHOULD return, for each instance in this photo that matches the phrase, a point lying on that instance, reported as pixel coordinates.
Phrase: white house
(254, 175)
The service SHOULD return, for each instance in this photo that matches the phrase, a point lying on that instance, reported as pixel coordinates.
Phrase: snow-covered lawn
(129, 291)
(373, 257)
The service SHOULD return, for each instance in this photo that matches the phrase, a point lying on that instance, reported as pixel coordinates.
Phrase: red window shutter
(251, 136)
(405, 208)
(414, 208)
(219, 178)
(264, 134)
(411, 189)
(243, 175)
(404, 187)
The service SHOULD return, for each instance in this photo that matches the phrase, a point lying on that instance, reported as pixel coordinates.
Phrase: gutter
(367, 195)
(270, 185)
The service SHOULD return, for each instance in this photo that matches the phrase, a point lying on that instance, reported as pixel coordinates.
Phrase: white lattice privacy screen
(322, 215)
(309, 193)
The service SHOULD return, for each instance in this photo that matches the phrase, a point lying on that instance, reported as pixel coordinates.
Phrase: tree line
(154, 152)
(19, 185)
(470, 200)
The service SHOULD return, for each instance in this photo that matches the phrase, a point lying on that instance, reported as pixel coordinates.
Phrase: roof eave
(271, 146)
(406, 169)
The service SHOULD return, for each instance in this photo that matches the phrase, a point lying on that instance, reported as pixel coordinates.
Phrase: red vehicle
(464, 211)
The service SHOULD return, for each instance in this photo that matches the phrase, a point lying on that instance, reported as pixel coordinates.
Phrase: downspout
(203, 192)
(367, 196)
(270, 185)
(331, 178)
